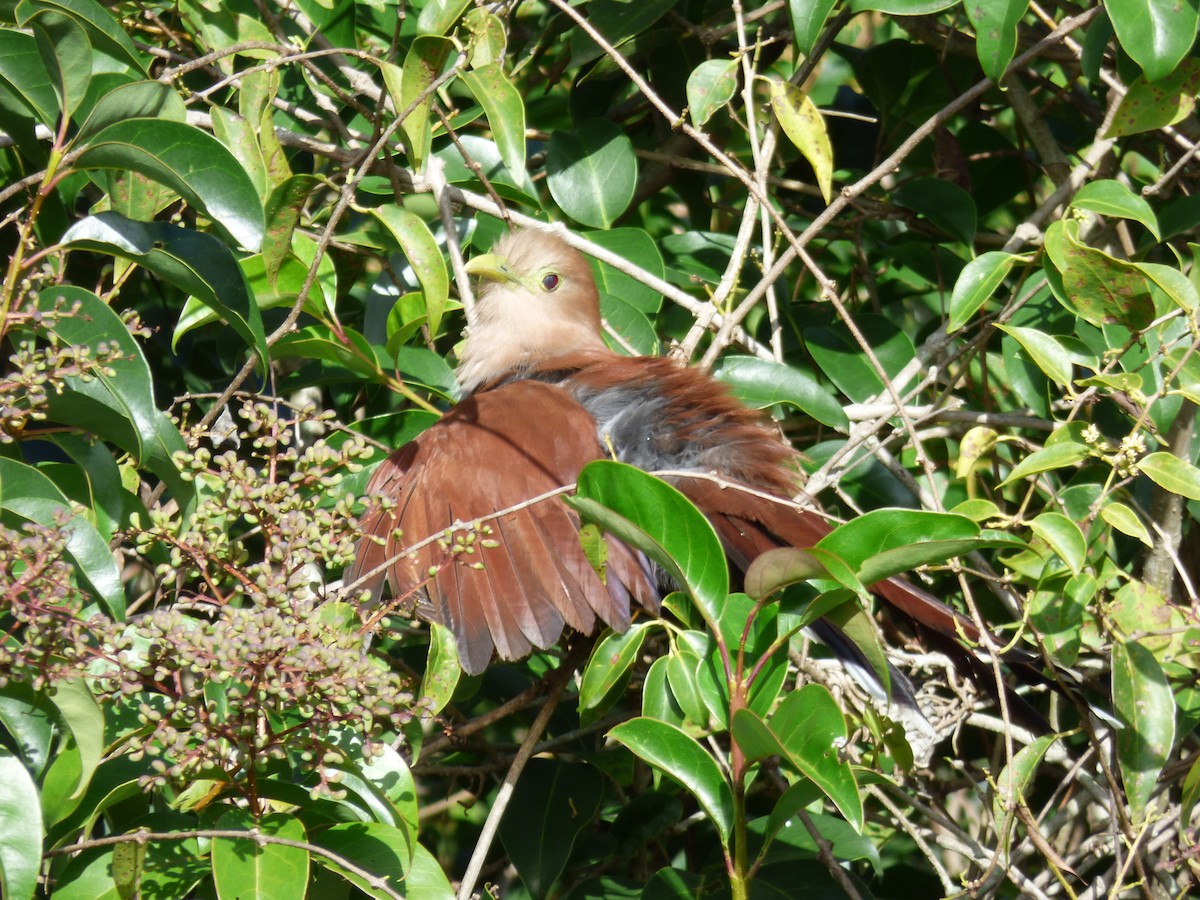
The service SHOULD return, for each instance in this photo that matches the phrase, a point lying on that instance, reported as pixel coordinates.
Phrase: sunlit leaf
(1064, 538)
(976, 284)
(1014, 780)
(421, 250)
(804, 125)
(1126, 521)
(246, 868)
(1170, 472)
(1114, 199)
(504, 108)
(591, 172)
(710, 86)
(657, 519)
(190, 162)
(995, 23)
(1156, 33)
(423, 65)
(808, 20)
(761, 383)
(195, 262)
(1045, 351)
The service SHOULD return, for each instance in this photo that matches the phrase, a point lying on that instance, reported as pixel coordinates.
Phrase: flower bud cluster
(246, 661)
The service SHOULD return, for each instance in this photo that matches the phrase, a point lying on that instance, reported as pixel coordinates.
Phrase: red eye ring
(550, 282)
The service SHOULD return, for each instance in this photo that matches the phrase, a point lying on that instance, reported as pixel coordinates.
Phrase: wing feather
(526, 573)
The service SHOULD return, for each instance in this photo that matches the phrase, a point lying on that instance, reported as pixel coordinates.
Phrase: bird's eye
(550, 281)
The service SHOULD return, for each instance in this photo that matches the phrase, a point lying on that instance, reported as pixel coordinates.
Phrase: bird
(543, 395)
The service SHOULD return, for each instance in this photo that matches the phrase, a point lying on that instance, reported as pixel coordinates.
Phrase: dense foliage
(947, 246)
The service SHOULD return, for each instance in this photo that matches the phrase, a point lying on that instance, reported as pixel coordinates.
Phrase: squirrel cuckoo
(544, 396)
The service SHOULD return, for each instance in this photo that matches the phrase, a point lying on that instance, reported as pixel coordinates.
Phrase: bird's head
(537, 300)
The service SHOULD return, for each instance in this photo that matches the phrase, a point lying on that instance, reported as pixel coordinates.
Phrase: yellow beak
(489, 265)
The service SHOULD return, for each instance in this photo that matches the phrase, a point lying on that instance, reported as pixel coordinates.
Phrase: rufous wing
(512, 581)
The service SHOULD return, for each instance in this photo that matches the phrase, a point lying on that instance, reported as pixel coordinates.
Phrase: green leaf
(383, 850)
(504, 108)
(421, 250)
(190, 162)
(442, 670)
(761, 383)
(105, 33)
(1054, 456)
(239, 135)
(857, 625)
(24, 715)
(942, 203)
(135, 100)
(1143, 703)
(1103, 289)
(355, 354)
(1126, 521)
(1016, 777)
(33, 496)
(617, 20)
(630, 323)
(423, 65)
(782, 567)
(754, 738)
(591, 172)
(609, 668)
(976, 284)
(667, 748)
(844, 842)
(83, 717)
(283, 209)
(656, 518)
(804, 125)
(1171, 473)
(807, 731)
(636, 246)
(438, 16)
(20, 829)
(194, 262)
(426, 878)
(245, 868)
(1156, 33)
(1114, 199)
(1045, 351)
(1064, 538)
(995, 23)
(553, 804)
(808, 19)
(22, 71)
(67, 55)
(1178, 288)
(886, 542)
(1149, 105)
(658, 697)
(128, 863)
(510, 185)
(683, 668)
(137, 426)
(488, 38)
(902, 7)
(794, 799)
(288, 282)
(843, 362)
(710, 86)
